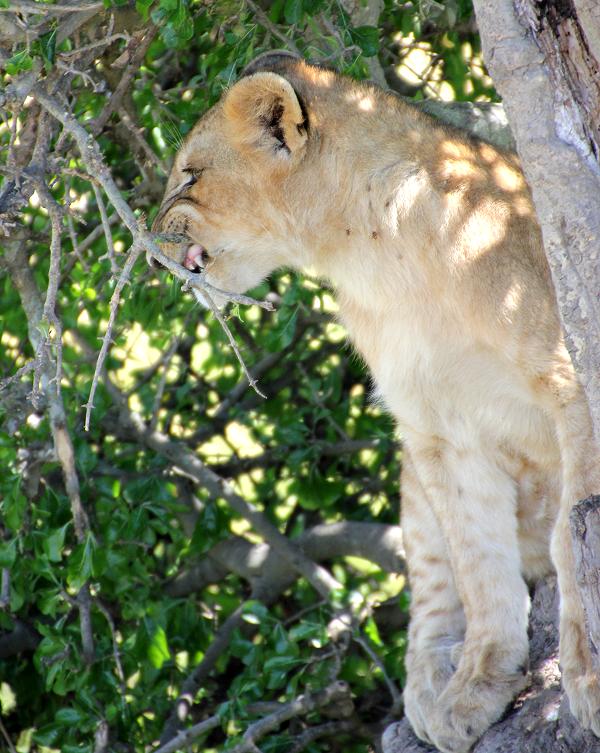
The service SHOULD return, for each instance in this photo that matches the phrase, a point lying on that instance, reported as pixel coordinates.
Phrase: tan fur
(431, 241)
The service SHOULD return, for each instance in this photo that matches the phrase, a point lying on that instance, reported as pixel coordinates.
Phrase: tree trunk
(544, 57)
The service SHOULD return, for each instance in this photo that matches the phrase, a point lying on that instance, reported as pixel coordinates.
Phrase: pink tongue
(194, 256)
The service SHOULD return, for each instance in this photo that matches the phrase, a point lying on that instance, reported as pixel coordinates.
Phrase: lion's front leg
(437, 622)
(474, 501)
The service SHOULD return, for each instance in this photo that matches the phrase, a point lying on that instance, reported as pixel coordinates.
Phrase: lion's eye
(194, 173)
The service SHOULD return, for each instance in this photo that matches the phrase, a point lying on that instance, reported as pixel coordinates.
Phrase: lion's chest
(437, 381)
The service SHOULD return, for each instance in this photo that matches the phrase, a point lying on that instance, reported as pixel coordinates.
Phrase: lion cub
(431, 242)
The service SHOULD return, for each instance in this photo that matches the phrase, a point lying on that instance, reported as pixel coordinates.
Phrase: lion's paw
(428, 674)
(465, 710)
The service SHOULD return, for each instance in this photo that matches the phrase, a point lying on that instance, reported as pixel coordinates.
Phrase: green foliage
(147, 523)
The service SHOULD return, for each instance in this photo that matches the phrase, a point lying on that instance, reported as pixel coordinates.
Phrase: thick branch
(181, 457)
(375, 542)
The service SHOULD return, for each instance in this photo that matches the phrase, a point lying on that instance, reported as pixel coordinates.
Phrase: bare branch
(396, 695)
(6, 737)
(188, 736)
(378, 543)
(23, 6)
(116, 653)
(139, 47)
(304, 704)
(328, 729)
(16, 260)
(107, 339)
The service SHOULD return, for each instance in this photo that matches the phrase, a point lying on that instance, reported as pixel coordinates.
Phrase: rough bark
(544, 58)
(585, 532)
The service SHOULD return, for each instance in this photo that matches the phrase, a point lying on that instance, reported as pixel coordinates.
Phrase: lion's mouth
(196, 258)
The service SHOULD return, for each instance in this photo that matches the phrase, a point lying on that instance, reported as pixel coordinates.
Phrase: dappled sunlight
(478, 234)
(513, 297)
(136, 353)
(363, 100)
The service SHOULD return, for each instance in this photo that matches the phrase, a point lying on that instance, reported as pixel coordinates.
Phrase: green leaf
(255, 613)
(283, 644)
(275, 10)
(8, 699)
(158, 650)
(367, 38)
(316, 493)
(54, 543)
(14, 507)
(281, 663)
(306, 630)
(276, 679)
(143, 8)
(47, 735)
(81, 563)
(8, 553)
(69, 716)
(20, 61)
(48, 47)
(372, 632)
(292, 11)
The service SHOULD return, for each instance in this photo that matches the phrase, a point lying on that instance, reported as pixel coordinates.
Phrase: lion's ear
(264, 115)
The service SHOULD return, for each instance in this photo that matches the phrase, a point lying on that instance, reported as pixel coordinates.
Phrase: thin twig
(85, 77)
(100, 43)
(188, 736)
(219, 317)
(6, 737)
(23, 371)
(300, 706)
(125, 81)
(265, 21)
(84, 605)
(165, 362)
(396, 695)
(110, 248)
(5, 588)
(49, 312)
(134, 253)
(136, 132)
(328, 729)
(116, 653)
(199, 282)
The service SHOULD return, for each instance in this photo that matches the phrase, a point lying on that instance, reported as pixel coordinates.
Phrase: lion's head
(233, 190)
